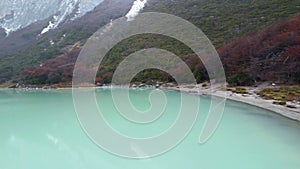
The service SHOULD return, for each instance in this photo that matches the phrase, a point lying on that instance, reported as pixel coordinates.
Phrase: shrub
(242, 78)
(204, 84)
(241, 90)
(282, 103)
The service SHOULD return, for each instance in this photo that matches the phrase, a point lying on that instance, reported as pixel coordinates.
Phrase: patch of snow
(7, 31)
(66, 7)
(52, 42)
(51, 25)
(136, 8)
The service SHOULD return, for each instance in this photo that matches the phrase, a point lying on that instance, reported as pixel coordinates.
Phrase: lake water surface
(40, 130)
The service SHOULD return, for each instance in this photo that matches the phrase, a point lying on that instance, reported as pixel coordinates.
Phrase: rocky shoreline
(252, 99)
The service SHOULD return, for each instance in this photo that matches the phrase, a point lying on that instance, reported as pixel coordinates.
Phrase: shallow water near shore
(40, 129)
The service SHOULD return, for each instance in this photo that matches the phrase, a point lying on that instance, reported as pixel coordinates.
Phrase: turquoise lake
(40, 130)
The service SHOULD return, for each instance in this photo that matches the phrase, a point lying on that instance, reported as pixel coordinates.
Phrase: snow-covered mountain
(17, 14)
(23, 23)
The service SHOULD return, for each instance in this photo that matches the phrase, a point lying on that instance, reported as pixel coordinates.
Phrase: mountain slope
(272, 54)
(221, 21)
(19, 14)
(25, 48)
(29, 35)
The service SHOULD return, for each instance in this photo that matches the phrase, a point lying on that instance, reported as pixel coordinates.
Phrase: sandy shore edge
(251, 99)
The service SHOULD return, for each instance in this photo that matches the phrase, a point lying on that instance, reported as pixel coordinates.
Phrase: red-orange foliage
(59, 69)
(272, 54)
